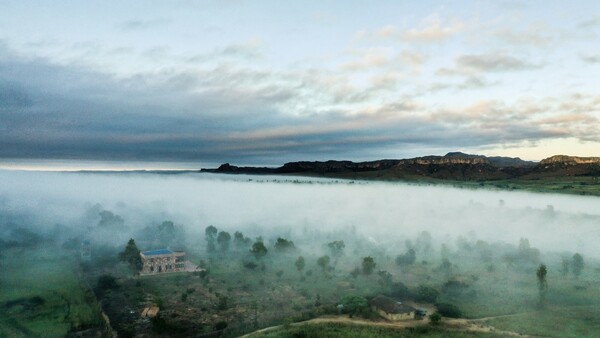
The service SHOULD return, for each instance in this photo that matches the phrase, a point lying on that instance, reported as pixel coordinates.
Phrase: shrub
(449, 310)
(400, 290)
(107, 282)
(435, 318)
(427, 294)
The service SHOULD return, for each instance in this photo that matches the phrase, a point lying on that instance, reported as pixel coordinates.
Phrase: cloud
(248, 50)
(232, 112)
(492, 63)
(590, 23)
(590, 58)
(432, 31)
(531, 36)
(139, 24)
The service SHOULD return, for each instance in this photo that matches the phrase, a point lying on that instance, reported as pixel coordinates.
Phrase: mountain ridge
(452, 166)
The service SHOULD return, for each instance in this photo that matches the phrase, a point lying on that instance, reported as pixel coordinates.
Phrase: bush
(400, 290)
(250, 265)
(435, 318)
(222, 305)
(355, 305)
(449, 310)
(107, 282)
(427, 294)
(220, 326)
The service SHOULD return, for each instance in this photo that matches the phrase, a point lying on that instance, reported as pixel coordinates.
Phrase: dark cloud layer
(227, 113)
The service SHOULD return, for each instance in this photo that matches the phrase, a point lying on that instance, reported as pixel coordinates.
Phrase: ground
(43, 294)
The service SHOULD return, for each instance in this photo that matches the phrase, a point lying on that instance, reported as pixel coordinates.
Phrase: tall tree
(368, 265)
(131, 255)
(240, 241)
(210, 234)
(300, 263)
(577, 265)
(336, 248)
(565, 266)
(284, 245)
(323, 262)
(407, 258)
(223, 239)
(259, 250)
(541, 273)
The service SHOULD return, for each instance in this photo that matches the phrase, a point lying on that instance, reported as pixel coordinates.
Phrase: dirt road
(465, 325)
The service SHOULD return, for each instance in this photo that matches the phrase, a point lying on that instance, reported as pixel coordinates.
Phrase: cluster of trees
(575, 265)
(222, 239)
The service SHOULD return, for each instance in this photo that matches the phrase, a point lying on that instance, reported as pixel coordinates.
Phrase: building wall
(396, 316)
(163, 263)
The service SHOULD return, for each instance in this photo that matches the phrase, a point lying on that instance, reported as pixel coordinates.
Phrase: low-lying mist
(302, 209)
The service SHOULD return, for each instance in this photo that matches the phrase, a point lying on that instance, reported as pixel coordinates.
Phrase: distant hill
(452, 166)
(498, 161)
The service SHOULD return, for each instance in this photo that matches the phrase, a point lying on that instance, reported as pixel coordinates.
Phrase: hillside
(559, 173)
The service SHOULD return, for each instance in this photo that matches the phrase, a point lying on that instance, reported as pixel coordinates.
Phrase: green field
(42, 296)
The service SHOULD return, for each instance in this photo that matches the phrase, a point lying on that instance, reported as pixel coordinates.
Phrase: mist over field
(302, 209)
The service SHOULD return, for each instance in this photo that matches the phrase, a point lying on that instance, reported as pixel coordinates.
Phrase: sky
(266, 82)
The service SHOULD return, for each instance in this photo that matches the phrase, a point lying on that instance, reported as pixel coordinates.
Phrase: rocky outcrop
(569, 160)
(444, 160)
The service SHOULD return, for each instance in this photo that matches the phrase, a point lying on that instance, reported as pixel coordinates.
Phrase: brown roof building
(391, 309)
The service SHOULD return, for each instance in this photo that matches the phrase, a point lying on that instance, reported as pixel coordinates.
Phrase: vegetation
(335, 330)
(224, 238)
(577, 265)
(48, 300)
(541, 273)
(355, 305)
(131, 255)
(210, 235)
(368, 265)
(259, 250)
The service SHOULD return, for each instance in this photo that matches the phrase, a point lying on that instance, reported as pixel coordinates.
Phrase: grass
(42, 295)
(557, 322)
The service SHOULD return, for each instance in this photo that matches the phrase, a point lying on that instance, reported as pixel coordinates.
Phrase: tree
(210, 234)
(300, 263)
(542, 283)
(131, 255)
(323, 262)
(565, 266)
(577, 265)
(259, 250)
(385, 278)
(449, 310)
(400, 290)
(435, 318)
(368, 265)
(423, 242)
(354, 305)
(224, 239)
(427, 294)
(406, 259)
(336, 248)
(240, 241)
(446, 267)
(283, 245)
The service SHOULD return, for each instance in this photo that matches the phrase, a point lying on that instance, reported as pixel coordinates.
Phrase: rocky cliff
(569, 160)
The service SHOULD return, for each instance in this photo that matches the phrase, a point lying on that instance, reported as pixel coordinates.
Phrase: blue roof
(157, 252)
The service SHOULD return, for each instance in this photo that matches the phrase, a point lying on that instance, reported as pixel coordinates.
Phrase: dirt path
(465, 325)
